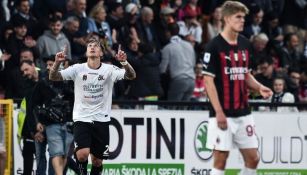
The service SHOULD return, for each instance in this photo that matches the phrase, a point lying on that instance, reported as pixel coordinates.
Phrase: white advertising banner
(163, 142)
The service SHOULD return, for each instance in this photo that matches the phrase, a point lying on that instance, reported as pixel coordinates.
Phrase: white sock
(215, 171)
(248, 171)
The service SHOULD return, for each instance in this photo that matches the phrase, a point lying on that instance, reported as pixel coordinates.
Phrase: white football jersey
(93, 90)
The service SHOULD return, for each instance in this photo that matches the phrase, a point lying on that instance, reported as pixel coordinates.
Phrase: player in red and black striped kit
(227, 76)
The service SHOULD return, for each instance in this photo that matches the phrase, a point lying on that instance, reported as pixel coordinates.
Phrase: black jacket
(52, 95)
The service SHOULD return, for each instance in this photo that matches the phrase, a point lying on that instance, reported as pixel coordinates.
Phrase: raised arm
(54, 74)
(121, 56)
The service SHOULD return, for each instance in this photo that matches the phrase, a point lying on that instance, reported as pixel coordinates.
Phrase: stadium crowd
(168, 65)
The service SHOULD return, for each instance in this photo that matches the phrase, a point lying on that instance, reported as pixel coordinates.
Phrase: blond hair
(96, 9)
(232, 7)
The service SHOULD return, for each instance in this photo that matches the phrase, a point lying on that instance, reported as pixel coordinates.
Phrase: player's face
(278, 85)
(93, 50)
(236, 21)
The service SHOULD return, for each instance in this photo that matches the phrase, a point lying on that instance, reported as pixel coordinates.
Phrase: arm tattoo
(130, 73)
(54, 74)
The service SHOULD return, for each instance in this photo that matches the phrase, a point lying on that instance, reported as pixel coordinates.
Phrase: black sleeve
(35, 100)
(210, 60)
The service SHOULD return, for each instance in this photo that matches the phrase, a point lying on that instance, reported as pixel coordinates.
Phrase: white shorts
(240, 133)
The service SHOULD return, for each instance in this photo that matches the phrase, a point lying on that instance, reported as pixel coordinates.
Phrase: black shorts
(93, 135)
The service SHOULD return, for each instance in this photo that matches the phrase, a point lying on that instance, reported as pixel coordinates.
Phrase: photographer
(51, 102)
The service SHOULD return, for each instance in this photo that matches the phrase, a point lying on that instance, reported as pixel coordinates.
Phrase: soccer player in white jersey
(93, 82)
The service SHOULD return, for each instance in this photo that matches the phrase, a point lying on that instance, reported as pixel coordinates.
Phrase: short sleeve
(69, 73)
(117, 73)
(209, 60)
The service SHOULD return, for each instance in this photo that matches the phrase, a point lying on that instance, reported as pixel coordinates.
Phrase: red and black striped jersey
(229, 65)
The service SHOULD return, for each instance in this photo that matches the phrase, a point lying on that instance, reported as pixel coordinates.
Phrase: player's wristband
(124, 63)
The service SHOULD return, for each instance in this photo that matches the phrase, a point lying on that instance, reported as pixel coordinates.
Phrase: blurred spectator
(129, 28)
(177, 6)
(17, 42)
(28, 132)
(4, 12)
(303, 87)
(199, 93)
(147, 85)
(98, 24)
(259, 43)
(165, 18)
(192, 7)
(81, 36)
(145, 29)
(281, 96)
(79, 7)
(280, 58)
(18, 86)
(190, 28)
(116, 20)
(24, 14)
(295, 76)
(178, 58)
(215, 23)
(254, 28)
(6, 32)
(71, 27)
(294, 19)
(131, 12)
(271, 27)
(291, 47)
(44, 21)
(52, 41)
(3, 74)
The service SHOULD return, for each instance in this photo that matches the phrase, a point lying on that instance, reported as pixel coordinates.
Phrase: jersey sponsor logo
(84, 77)
(236, 73)
(200, 141)
(227, 58)
(100, 77)
(207, 57)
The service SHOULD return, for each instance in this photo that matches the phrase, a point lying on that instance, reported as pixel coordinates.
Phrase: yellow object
(21, 118)
(6, 110)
